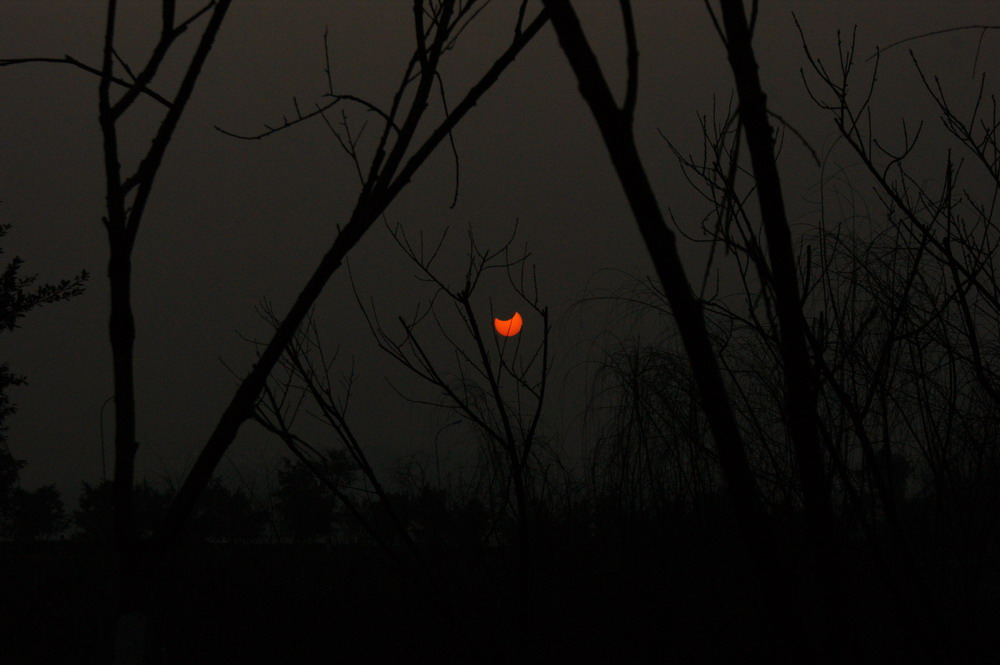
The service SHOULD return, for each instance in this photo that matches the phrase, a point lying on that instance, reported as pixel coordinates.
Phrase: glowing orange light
(510, 327)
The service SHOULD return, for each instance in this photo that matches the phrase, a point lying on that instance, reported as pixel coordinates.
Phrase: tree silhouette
(37, 514)
(408, 137)
(499, 392)
(837, 411)
(899, 316)
(95, 516)
(616, 125)
(227, 515)
(25, 515)
(18, 296)
(308, 511)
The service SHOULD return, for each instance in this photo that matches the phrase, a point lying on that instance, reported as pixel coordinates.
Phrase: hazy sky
(233, 222)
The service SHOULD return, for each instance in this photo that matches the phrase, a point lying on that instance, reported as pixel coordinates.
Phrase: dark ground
(679, 600)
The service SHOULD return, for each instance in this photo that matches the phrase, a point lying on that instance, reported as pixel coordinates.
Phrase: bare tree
(399, 154)
(920, 326)
(495, 384)
(499, 384)
(616, 125)
(127, 195)
(899, 298)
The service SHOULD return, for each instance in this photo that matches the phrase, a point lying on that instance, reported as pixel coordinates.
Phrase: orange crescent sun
(510, 327)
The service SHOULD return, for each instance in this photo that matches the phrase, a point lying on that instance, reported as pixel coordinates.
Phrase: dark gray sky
(232, 222)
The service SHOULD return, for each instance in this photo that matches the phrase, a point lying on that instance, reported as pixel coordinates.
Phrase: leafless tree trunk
(616, 126)
(126, 203)
(800, 376)
(496, 384)
(935, 302)
(398, 157)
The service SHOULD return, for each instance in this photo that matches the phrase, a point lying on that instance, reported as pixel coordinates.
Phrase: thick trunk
(800, 375)
(131, 592)
(771, 579)
(135, 573)
(130, 638)
(389, 175)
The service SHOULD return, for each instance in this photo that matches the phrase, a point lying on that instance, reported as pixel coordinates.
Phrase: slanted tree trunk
(393, 165)
(616, 127)
(800, 376)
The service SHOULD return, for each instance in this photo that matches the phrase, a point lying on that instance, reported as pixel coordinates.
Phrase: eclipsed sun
(510, 327)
